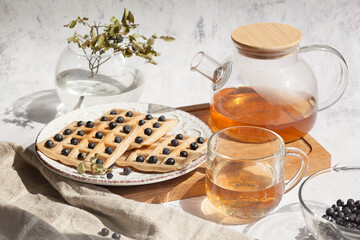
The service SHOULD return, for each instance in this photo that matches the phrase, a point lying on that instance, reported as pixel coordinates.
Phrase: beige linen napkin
(36, 203)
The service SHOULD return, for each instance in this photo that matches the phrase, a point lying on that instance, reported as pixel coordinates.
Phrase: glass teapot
(267, 83)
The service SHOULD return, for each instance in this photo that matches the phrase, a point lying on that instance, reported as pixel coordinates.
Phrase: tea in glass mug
(245, 171)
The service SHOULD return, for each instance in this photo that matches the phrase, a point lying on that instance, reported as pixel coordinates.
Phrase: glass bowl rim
(335, 169)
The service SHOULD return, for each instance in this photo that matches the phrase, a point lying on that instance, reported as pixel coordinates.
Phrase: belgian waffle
(129, 158)
(102, 124)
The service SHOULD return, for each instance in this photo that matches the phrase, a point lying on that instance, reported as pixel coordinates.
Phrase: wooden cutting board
(193, 184)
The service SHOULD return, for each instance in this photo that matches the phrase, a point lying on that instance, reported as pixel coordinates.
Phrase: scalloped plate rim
(118, 179)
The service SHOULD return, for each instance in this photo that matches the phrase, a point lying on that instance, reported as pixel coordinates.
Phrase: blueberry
(67, 131)
(89, 124)
(352, 217)
(148, 131)
(74, 141)
(140, 158)
(166, 151)
(162, 118)
(116, 235)
(183, 154)
(340, 221)
(103, 118)
(350, 202)
(194, 146)
(179, 136)
(49, 144)
(99, 135)
(340, 202)
(113, 112)
(138, 140)
(335, 207)
(346, 210)
(126, 129)
(330, 212)
(200, 140)
(174, 142)
(117, 139)
(81, 156)
(127, 170)
(170, 161)
(156, 125)
(129, 114)
(58, 137)
(104, 232)
(348, 225)
(141, 122)
(153, 159)
(109, 175)
(148, 117)
(357, 203)
(80, 123)
(109, 150)
(112, 125)
(357, 219)
(65, 151)
(341, 214)
(91, 145)
(80, 133)
(119, 119)
(99, 161)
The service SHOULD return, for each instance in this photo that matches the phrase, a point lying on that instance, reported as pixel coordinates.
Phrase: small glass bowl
(320, 191)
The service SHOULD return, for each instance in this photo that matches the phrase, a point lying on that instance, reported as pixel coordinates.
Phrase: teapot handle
(340, 88)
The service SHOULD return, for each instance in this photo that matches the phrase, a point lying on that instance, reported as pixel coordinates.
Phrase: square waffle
(127, 127)
(130, 158)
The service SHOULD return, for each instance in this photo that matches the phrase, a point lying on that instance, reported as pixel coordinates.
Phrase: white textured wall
(32, 37)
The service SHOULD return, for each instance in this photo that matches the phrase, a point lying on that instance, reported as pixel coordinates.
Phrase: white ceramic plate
(188, 124)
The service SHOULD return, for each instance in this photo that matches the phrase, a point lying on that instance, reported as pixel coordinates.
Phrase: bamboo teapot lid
(267, 37)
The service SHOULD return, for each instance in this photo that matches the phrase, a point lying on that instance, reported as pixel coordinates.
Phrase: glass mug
(245, 171)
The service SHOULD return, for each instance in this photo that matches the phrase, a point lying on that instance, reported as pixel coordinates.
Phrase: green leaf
(152, 62)
(135, 35)
(151, 41)
(113, 19)
(100, 41)
(126, 30)
(81, 168)
(167, 38)
(127, 52)
(72, 25)
(130, 17)
(125, 16)
(137, 46)
(93, 33)
(85, 44)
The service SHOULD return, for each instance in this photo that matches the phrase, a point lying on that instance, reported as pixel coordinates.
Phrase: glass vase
(83, 79)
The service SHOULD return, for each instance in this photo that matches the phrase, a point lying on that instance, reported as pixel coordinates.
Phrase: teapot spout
(211, 69)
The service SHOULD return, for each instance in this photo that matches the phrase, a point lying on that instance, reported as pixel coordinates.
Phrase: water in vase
(73, 83)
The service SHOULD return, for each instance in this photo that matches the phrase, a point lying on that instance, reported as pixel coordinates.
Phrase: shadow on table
(39, 107)
(284, 223)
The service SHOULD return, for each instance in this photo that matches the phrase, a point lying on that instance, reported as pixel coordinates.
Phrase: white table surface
(33, 37)
(334, 131)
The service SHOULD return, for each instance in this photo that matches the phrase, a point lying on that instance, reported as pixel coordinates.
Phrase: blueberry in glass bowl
(326, 197)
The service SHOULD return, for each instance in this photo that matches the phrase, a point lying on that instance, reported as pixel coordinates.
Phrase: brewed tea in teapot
(266, 83)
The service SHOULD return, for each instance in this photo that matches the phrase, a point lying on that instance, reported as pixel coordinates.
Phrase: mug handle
(292, 151)
(340, 88)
